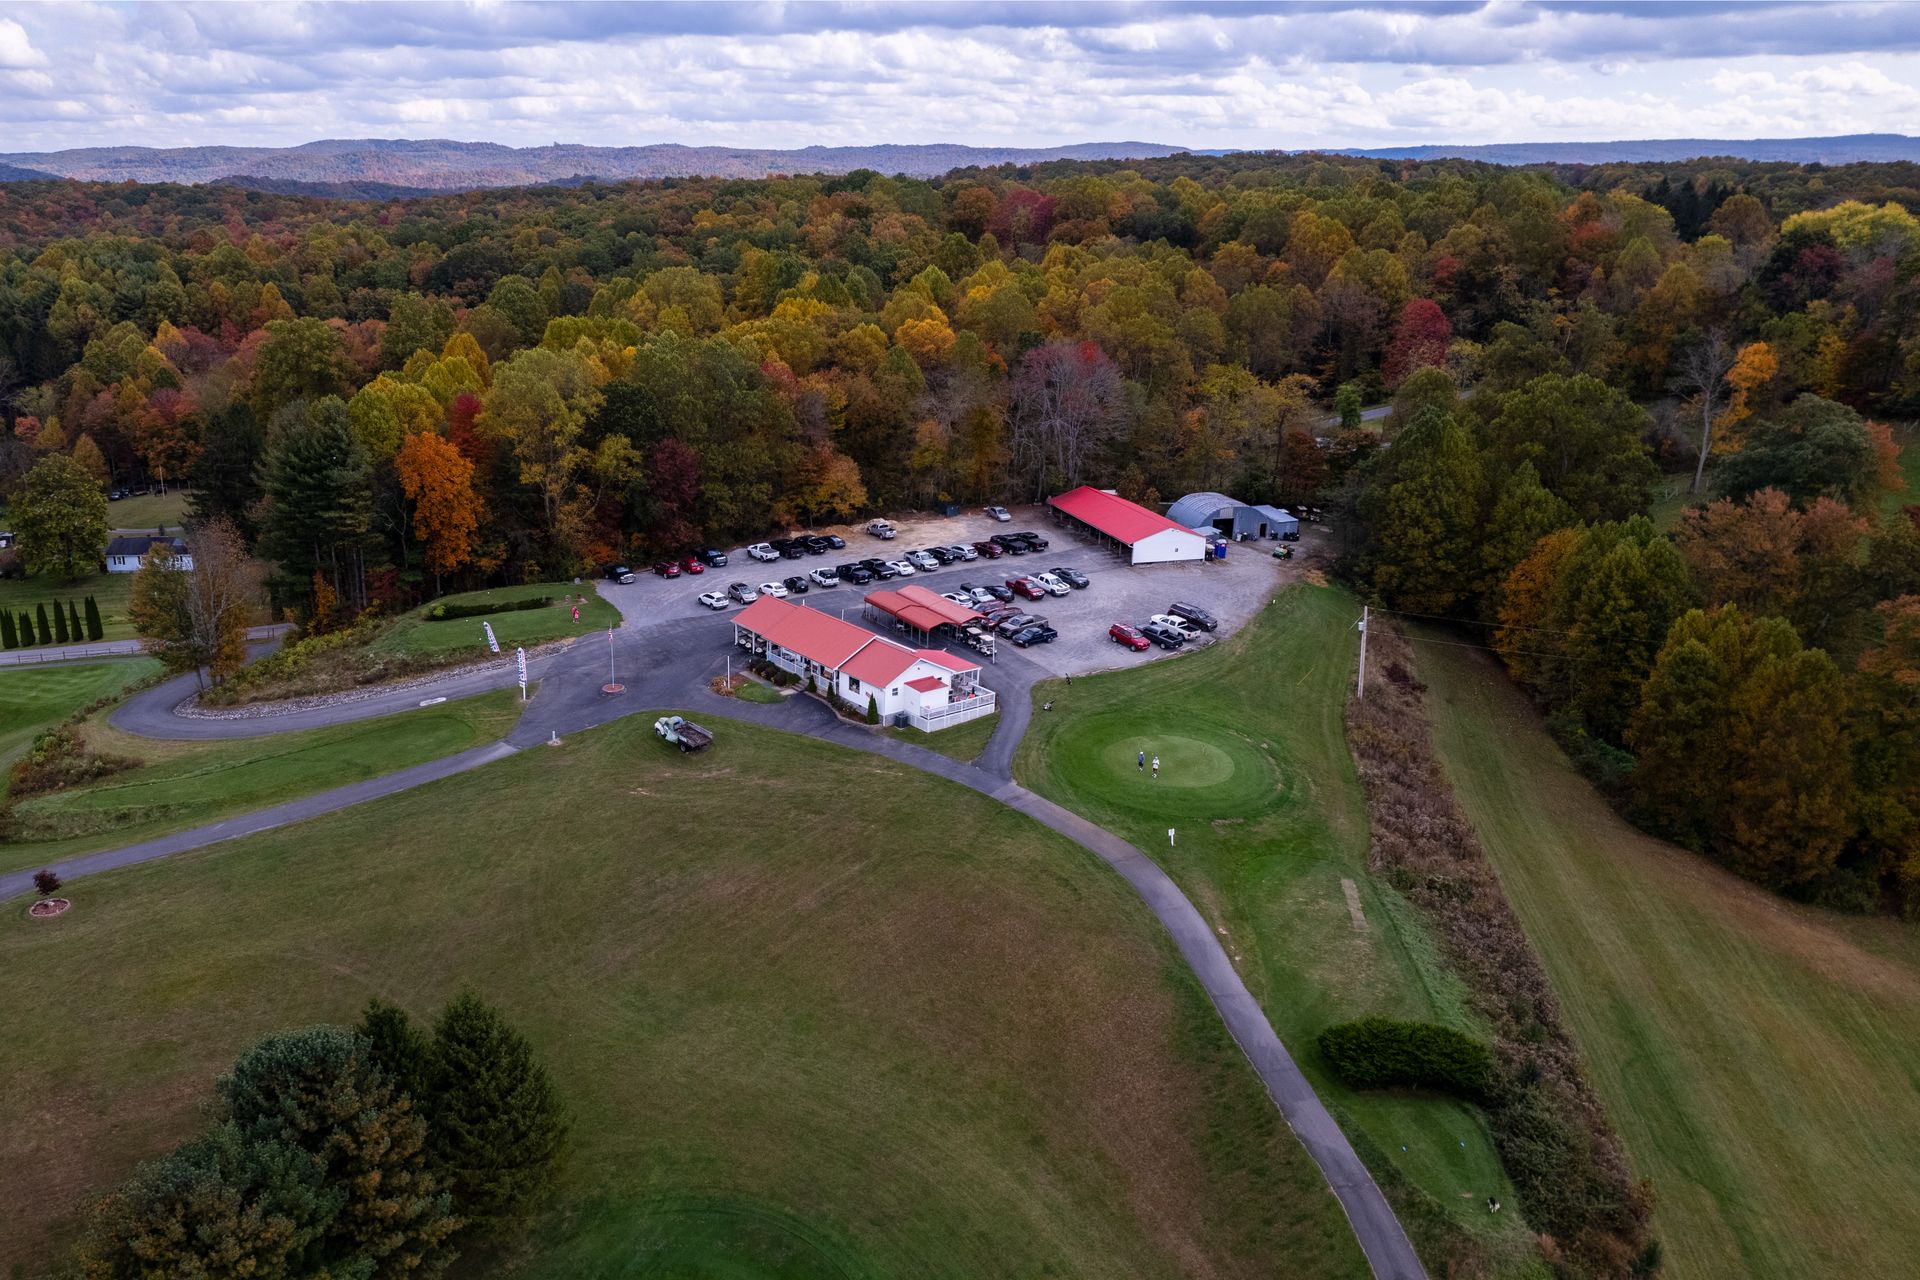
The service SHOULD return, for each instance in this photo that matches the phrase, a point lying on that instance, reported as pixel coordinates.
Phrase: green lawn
(109, 591)
(963, 742)
(1761, 1059)
(1257, 781)
(796, 1038)
(417, 636)
(184, 784)
(32, 698)
(150, 512)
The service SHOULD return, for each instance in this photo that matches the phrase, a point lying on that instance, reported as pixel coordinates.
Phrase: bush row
(1550, 1129)
(1380, 1053)
(24, 630)
(444, 612)
(778, 677)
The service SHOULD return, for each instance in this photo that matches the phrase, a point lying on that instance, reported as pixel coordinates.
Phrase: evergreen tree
(1423, 513)
(320, 1092)
(319, 498)
(60, 634)
(23, 623)
(224, 480)
(497, 1129)
(9, 638)
(1618, 593)
(1523, 514)
(399, 1048)
(73, 622)
(46, 630)
(95, 628)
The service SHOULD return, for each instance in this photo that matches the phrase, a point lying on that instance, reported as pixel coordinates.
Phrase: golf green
(1212, 773)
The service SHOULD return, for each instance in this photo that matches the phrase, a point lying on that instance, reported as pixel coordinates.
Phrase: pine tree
(873, 710)
(1423, 512)
(399, 1048)
(1523, 514)
(24, 625)
(95, 628)
(320, 1091)
(59, 623)
(1620, 590)
(73, 622)
(8, 636)
(497, 1129)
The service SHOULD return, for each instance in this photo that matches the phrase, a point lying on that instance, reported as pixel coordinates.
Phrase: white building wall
(1169, 545)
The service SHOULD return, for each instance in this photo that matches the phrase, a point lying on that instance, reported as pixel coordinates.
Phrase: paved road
(108, 649)
(667, 666)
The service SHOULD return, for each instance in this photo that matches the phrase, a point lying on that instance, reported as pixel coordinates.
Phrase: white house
(1146, 536)
(125, 554)
(932, 689)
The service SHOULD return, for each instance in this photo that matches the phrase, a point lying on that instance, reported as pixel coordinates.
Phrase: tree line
(385, 396)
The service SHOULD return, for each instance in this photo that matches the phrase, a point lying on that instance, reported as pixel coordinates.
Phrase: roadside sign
(520, 662)
(491, 642)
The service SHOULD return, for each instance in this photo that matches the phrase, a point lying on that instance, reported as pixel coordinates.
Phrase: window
(853, 683)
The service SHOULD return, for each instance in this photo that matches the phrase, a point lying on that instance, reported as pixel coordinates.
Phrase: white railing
(927, 721)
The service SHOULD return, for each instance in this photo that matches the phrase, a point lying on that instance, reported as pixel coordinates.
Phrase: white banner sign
(491, 642)
(520, 661)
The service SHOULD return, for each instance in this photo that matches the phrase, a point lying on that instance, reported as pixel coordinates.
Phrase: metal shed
(1230, 516)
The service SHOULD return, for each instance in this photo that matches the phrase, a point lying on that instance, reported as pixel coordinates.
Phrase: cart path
(570, 701)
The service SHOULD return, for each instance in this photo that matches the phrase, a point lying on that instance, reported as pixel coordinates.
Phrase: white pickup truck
(881, 529)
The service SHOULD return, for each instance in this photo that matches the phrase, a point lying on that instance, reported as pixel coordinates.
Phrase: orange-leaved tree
(438, 479)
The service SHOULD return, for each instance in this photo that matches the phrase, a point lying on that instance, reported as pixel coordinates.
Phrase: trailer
(683, 733)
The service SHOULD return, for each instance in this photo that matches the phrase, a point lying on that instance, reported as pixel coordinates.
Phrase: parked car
(116, 495)
(714, 599)
(1165, 637)
(1121, 633)
(882, 569)
(715, 558)
(923, 561)
(742, 592)
(980, 594)
(1018, 622)
(825, 577)
(961, 551)
(1000, 513)
(794, 550)
(780, 544)
(1052, 585)
(881, 529)
(988, 548)
(762, 551)
(834, 542)
(774, 589)
(666, 568)
(1032, 539)
(904, 568)
(858, 574)
(1011, 545)
(1186, 629)
(693, 564)
(796, 585)
(1072, 577)
(940, 554)
(1041, 634)
(817, 545)
(1000, 593)
(617, 573)
(1194, 614)
(1026, 588)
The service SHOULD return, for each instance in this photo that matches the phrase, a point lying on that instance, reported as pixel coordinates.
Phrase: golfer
(1156, 768)
(1143, 762)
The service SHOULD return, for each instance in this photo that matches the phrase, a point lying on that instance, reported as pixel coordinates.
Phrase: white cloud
(16, 50)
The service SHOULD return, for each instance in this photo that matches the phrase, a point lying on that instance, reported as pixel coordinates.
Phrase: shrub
(59, 623)
(1380, 1053)
(46, 883)
(811, 687)
(59, 758)
(444, 612)
(95, 629)
(873, 710)
(24, 625)
(9, 638)
(46, 630)
(73, 622)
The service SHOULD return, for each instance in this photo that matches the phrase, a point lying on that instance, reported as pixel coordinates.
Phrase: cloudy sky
(1204, 75)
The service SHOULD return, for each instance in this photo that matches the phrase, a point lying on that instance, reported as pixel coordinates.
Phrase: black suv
(858, 574)
(941, 554)
(1033, 540)
(1196, 615)
(1072, 577)
(715, 558)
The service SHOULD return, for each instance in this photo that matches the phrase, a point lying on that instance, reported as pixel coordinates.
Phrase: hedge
(1380, 1053)
(449, 612)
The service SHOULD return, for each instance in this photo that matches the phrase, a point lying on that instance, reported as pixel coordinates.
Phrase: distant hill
(14, 173)
(1853, 148)
(390, 166)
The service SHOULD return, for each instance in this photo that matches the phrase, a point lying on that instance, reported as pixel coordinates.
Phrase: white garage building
(1146, 536)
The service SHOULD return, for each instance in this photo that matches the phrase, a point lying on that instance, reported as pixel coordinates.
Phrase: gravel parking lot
(1231, 589)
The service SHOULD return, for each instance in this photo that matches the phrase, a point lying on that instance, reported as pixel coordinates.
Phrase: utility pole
(1360, 686)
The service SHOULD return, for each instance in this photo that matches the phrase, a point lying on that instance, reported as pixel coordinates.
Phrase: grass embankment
(154, 511)
(184, 784)
(417, 635)
(1272, 825)
(109, 591)
(1759, 1058)
(803, 1041)
(37, 697)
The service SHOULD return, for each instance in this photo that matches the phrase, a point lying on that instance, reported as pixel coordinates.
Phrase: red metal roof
(920, 608)
(950, 661)
(957, 614)
(810, 633)
(926, 684)
(880, 662)
(1113, 515)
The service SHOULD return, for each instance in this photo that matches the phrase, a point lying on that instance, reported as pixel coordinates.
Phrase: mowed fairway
(1256, 780)
(814, 1014)
(1762, 1060)
(183, 784)
(33, 698)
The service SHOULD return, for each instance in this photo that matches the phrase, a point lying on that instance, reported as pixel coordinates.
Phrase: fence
(63, 652)
(981, 704)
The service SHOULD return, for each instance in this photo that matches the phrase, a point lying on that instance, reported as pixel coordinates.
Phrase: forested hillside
(513, 384)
